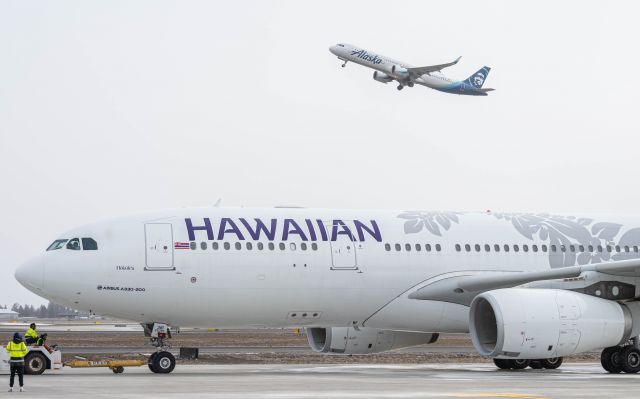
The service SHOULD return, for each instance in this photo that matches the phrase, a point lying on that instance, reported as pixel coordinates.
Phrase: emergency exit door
(159, 246)
(343, 252)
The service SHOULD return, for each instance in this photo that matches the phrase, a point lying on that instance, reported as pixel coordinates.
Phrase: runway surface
(578, 380)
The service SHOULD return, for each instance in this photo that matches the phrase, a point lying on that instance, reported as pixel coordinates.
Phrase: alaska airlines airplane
(529, 288)
(388, 70)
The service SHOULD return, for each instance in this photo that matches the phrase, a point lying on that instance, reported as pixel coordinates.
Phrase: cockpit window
(89, 244)
(57, 244)
(74, 244)
(340, 45)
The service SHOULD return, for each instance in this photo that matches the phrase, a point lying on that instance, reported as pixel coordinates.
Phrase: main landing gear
(521, 364)
(617, 359)
(400, 87)
(162, 361)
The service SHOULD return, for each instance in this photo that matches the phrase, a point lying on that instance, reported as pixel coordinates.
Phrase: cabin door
(158, 239)
(343, 251)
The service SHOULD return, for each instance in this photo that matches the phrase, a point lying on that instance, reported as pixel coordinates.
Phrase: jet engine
(399, 72)
(382, 77)
(520, 323)
(349, 340)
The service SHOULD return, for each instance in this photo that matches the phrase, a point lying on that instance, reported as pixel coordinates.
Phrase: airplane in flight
(389, 70)
(529, 288)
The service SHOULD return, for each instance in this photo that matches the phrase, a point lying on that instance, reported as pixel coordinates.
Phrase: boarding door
(159, 246)
(343, 250)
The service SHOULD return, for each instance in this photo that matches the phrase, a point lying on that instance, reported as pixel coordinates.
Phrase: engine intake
(350, 341)
(382, 77)
(543, 323)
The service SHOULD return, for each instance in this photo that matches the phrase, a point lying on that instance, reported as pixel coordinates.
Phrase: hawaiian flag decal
(181, 245)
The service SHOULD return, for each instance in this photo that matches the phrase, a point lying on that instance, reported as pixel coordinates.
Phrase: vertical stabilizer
(477, 79)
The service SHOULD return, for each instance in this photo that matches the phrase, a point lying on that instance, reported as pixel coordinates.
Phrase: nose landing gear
(162, 361)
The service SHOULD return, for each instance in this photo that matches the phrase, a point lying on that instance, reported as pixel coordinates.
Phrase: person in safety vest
(31, 337)
(17, 350)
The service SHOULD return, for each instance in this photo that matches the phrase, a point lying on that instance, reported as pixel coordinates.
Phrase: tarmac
(573, 380)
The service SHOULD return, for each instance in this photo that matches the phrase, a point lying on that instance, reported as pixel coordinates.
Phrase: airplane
(529, 288)
(387, 70)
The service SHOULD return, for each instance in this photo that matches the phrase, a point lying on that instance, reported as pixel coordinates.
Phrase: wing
(462, 289)
(419, 71)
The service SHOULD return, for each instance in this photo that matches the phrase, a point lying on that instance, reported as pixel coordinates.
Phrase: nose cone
(334, 49)
(31, 274)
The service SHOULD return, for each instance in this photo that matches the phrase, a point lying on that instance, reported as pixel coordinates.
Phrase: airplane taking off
(388, 70)
(529, 288)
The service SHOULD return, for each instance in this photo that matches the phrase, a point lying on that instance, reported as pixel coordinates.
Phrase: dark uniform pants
(16, 368)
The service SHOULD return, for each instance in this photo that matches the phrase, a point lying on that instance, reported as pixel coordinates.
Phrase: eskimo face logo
(478, 80)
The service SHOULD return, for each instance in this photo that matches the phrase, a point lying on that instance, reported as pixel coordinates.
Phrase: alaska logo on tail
(477, 79)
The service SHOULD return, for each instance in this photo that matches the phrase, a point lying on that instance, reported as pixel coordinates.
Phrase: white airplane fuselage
(291, 267)
(393, 69)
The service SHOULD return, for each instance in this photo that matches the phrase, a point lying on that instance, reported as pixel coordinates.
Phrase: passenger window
(544, 247)
(590, 248)
(303, 246)
(438, 247)
(238, 246)
(271, 246)
(608, 248)
(398, 247)
(506, 248)
(193, 245)
(214, 245)
(487, 248)
(516, 248)
(525, 248)
(418, 247)
(387, 247)
(203, 245)
(581, 248)
(467, 247)
(292, 246)
(458, 247)
(89, 244)
(626, 248)
(227, 246)
(617, 248)
(534, 248)
(553, 248)
(281, 246)
(74, 244)
(599, 248)
(563, 248)
(407, 247)
(314, 246)
(496, 247)
(572, 248)
(427, 247)
(635, 248)
(477, 246)
(249, 246)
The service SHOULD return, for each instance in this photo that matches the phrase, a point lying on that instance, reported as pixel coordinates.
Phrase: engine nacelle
(382, 77)
(520, 323)
(350, 341)
(399, 72)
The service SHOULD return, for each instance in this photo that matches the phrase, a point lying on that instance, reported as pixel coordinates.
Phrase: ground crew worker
(17, 350)
(31, 337)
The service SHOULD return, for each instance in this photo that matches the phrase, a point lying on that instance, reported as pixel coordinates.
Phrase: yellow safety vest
(31, 333)
(16, 350)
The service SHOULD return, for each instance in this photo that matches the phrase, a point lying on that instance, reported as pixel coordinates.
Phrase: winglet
(456, 61)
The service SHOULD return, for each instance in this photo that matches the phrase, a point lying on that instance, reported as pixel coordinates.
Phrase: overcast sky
(111, 107)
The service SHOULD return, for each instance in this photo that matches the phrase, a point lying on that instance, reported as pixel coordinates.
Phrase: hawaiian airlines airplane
(529, 288)
(388, 70)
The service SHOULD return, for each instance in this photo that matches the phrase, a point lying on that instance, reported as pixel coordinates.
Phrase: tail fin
(478, 78)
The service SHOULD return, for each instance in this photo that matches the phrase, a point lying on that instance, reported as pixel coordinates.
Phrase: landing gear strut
(344, 64)
(162, 361)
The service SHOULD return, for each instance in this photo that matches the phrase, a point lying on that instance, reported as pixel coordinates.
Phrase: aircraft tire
(610, 360)
(163, 363)
(520, 364)
(503, 364)
(150, 362)
(400, 87)
(551, 363)
(630, 359)
(535, 364)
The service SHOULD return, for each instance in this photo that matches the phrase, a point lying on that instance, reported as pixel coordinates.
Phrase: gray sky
(108, 108)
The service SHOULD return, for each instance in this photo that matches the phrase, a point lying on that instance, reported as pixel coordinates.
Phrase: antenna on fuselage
(218, 202)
